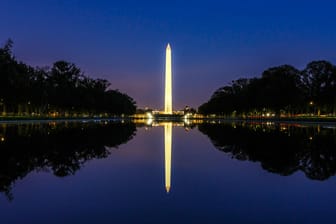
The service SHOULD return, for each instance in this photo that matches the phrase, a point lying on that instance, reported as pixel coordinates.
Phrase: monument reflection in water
(168, 154)
(287, 170)
(168, 138)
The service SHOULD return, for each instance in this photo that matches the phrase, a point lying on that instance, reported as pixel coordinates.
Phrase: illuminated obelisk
(168, 109)
(168, 153)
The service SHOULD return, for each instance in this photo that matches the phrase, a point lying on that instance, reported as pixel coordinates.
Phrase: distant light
(149, 121)
(149, 115)
(311, 103)
(2, 139)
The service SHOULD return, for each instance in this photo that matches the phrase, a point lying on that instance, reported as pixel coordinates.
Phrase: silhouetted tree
(280, 89)
(63, 88)
(319, 82)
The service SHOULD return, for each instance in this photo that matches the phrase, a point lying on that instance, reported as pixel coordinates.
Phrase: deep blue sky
(213, 42)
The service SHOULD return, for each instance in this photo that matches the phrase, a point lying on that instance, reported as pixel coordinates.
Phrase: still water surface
(113, 172)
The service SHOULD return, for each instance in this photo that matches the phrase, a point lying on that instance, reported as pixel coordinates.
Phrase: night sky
(213, 42)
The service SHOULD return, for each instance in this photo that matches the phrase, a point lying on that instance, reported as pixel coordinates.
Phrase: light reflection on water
(126, 169)
(168, 154)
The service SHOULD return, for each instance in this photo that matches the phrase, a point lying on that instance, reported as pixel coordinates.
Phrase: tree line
(60, 90)
(282, 90)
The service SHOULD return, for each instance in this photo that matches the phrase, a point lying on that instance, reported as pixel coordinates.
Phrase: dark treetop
(61, 89)
(281, 90)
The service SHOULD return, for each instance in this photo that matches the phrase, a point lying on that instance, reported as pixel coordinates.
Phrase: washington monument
(168, 109)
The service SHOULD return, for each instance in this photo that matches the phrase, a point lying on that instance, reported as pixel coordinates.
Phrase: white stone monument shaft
(168, 109)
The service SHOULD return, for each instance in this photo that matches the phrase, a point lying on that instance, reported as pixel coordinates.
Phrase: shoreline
(275, 119)
(300, 120)
(14, 120)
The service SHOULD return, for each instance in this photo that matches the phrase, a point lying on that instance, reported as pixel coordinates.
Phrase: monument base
(168, 117)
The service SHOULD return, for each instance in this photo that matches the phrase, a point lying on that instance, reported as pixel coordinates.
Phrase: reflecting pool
(118, 171)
